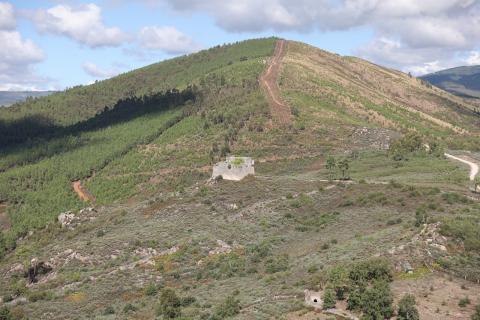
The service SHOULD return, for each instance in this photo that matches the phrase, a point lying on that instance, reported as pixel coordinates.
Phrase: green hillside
(461, 81)
(350, 183)
(35, 178)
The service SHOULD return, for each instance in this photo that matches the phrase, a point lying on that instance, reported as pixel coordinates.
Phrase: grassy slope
(338, 94)
(38, 191)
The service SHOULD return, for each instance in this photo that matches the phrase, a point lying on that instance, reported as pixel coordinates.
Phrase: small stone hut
(234, 168)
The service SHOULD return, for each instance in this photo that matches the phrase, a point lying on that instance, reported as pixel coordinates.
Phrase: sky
(56, 44)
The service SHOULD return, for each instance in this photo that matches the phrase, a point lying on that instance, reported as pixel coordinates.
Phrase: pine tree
(329, 300)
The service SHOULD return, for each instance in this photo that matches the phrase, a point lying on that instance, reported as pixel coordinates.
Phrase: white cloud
(427, 67)
(17, 57)
(83, 24)
(97, 72)
(167, 39)
(473, 58)
(7, 16)
(421, 34)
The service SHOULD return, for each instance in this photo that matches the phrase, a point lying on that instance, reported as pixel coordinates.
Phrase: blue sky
(53, 44)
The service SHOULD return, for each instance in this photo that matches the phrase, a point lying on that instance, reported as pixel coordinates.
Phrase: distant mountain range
(8, 98)
(461, 81)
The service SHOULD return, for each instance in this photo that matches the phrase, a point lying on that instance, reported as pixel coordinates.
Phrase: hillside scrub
(465, 229)
(407, 308)
(364, 284)
(414, 143)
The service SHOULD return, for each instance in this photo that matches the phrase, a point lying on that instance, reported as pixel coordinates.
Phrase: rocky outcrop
(37, 269)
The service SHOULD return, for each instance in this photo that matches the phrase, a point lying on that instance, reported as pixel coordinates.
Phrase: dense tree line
(34, 127)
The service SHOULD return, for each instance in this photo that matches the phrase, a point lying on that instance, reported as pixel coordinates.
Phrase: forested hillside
(95, 131)
(82, 102)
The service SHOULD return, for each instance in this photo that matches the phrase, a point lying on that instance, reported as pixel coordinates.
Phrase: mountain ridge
(462, 81)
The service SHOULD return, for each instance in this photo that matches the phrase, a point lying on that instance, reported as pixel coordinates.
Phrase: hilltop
(349, 167)
(462, 81)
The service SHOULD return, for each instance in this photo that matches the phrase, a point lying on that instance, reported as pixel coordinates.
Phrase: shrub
(407, 309)
(421, 217)
(464, 302)
(312, 269)
(108, 310)
(476, 314)
(373, 269)
(150, 289)
(39, 295)
(259, 251)
(229, 308)
(354, 301)
(329, 300)
(410, 143)
(129, 307)
(186, 301)
(338, 279)
(377, 301)
(325, 246)
(5, 314)
(170, 304)
(3, 245)
(465, 229)
(278, 264)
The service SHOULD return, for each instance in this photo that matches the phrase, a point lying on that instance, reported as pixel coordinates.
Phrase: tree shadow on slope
(35, 137)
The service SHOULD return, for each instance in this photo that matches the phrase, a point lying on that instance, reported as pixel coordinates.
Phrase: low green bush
(329, 300)
(170, 305)
(407, 309)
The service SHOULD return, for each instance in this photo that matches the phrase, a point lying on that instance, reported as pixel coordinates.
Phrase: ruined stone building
(234, 168)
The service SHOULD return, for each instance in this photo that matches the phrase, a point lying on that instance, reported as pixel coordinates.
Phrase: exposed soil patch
(437, 296)
(281, 113)
(83, 193)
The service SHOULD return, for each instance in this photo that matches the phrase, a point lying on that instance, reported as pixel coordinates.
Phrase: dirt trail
(473, 166)
(83, 194)
(281, 113)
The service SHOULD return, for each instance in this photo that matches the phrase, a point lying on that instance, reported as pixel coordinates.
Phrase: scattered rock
(439, 246)
(37, 268)
(172, 250)
(16, 301)
(66, 218)
(16, 270)
(222, 248)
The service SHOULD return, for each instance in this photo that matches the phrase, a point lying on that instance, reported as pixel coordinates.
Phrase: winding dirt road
(82, 193)
(281, 113)
(473, 165)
